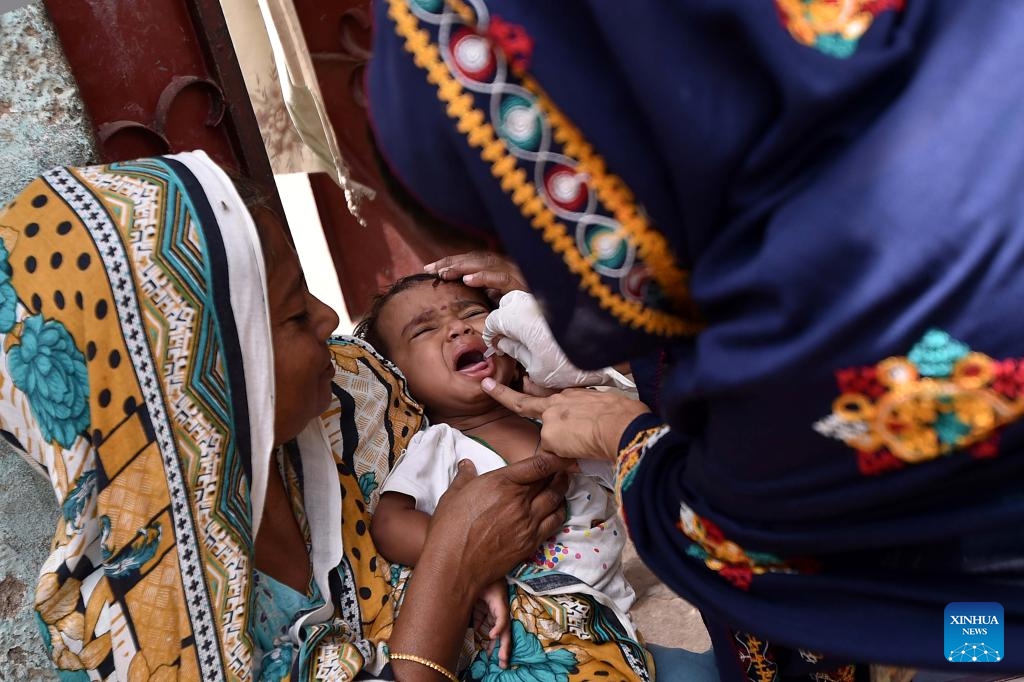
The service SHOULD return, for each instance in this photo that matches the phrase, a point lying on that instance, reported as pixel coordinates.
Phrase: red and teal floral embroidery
(942, 398)
(512, 40)
(724, 556)
(833, 27)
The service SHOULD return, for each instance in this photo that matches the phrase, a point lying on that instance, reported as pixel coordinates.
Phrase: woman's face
(300, 326)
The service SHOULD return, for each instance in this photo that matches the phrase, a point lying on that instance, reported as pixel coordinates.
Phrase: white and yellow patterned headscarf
(136, 370)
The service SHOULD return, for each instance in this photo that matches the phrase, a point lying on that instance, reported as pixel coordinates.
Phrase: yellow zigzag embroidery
(611, 190)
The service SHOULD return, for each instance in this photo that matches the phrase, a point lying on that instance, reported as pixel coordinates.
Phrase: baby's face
(433, 333)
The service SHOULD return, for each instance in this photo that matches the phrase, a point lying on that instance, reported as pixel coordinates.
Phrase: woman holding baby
(215, 460)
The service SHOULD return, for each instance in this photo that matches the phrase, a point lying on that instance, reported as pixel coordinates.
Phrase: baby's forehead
(424, 298)
(439, 295)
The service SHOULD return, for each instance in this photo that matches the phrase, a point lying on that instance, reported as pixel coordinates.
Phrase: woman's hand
(577, 423)
(482, 527)
(497, 520)
(482, 269)
(518, 328)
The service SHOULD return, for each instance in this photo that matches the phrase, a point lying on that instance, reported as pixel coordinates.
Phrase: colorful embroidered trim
(611, 190)
(758, 655)
(724, 556)
(567, 187)
(940, 399)
(848, 673)
(630, 456)
(760, 658)
(833, 27)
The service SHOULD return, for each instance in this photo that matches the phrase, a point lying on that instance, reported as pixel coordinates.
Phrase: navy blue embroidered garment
(812, 213)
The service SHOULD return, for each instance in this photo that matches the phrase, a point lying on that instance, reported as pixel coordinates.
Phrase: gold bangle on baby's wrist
(425, 661)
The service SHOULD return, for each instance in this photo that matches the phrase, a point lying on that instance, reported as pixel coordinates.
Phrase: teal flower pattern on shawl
(277, 665)
(129, 559)
(48, 368)
(8, 297)
(529, 661)
(77, 500)
(367, 484)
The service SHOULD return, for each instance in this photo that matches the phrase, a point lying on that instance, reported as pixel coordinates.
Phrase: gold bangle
(427, 662)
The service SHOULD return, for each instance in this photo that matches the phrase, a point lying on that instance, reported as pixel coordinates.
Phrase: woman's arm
(399, 530)
(482, 527)
(577, 423)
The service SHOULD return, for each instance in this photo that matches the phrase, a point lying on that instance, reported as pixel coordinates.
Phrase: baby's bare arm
(399, 530)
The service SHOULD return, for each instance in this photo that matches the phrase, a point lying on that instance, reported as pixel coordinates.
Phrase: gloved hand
(517, 328)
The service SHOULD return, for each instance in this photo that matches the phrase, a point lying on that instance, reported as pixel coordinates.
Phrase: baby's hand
(492, 622)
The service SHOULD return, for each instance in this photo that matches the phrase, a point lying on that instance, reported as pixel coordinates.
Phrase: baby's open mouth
(470, 361)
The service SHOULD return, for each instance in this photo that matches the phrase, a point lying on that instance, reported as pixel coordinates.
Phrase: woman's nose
(327, 319)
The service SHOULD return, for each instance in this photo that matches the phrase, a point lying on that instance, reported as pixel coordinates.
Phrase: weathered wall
(27, 518)
(42, 119)
(42, 124)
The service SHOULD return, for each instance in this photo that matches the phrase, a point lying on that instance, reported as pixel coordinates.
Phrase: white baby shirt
(589, 545)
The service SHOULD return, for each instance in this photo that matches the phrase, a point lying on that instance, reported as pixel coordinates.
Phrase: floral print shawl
(135, 373)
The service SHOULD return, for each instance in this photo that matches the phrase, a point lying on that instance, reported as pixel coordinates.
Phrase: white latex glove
(517, 328)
